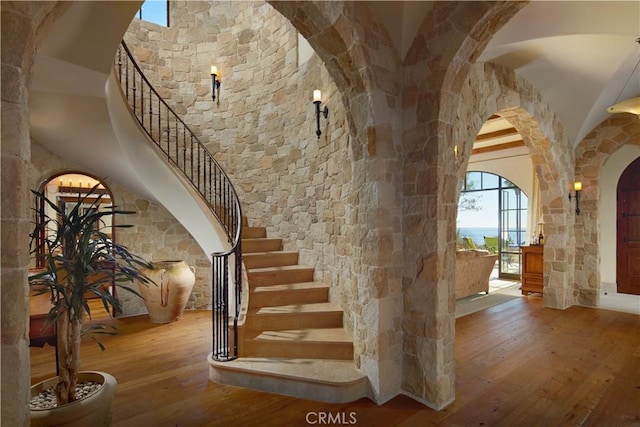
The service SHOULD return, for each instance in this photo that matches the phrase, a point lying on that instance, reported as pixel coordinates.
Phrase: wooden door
(628, 226)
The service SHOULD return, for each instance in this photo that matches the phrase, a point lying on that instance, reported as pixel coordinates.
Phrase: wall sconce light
(317, 98)
(215, 82)
(577, 187)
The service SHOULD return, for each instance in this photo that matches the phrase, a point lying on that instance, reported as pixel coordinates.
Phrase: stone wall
(360, 58)
(320, 195)
(262, 126)
(155, 234)
(371, 204)
(591, 154)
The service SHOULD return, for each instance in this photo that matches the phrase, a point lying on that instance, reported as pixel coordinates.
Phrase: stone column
(16, 49)
(22, 24)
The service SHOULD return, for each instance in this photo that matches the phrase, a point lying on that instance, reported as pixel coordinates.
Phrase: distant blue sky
(155, 11)
(486, 217)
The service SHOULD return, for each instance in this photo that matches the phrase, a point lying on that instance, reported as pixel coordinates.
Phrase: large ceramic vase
(167, 297)
(94, 410)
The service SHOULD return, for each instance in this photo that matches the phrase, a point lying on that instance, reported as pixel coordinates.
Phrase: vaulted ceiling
(578, 54)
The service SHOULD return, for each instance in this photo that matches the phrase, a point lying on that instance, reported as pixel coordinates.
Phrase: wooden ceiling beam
(498, 147)
(497, 134)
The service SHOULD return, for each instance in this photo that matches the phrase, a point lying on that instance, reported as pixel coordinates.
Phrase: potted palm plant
(78, 260)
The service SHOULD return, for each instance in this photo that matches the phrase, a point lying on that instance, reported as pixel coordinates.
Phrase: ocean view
(478, 233)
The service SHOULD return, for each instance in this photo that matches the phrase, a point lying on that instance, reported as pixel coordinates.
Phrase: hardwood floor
(518, 364)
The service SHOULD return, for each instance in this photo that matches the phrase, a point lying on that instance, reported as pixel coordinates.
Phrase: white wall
(305, 51)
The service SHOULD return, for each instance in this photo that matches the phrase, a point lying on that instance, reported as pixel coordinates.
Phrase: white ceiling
(578, 54)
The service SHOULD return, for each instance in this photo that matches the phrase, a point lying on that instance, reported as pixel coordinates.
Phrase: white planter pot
(94, 410)
(166, 299)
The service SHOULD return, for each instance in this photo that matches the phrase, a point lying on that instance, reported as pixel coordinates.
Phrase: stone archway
(591, 154)
(499, 90)
(435, 68)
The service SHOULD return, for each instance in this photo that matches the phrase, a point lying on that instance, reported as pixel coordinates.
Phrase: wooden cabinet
(532, 269)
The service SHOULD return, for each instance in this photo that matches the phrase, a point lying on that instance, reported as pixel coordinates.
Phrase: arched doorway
(65, 191)
(628, 230)
(492, 212)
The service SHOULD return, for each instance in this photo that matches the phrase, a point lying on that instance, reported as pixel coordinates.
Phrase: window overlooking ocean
(492, 215)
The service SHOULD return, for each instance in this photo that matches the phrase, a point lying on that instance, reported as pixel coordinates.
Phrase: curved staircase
(290, 339)
(293, 341)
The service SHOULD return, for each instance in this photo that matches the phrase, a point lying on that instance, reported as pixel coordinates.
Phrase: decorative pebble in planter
(92, 409)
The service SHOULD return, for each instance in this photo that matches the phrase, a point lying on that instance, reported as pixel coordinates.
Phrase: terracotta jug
(166, 299)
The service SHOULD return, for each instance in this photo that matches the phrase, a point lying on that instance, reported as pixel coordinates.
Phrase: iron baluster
(212, 184)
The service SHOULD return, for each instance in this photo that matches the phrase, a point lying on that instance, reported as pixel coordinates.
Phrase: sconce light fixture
(317, 99)
(577, 187)
(215, 82)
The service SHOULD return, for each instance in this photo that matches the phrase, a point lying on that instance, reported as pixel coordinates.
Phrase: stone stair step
(261, 245)
(288, 294)
(334, 335)
(334, 381)
(270, 259)
(279, 275)
(254, 232)
(324, 343)
(301, 316)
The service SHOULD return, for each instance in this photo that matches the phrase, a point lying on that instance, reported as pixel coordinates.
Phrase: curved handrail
(187, 153)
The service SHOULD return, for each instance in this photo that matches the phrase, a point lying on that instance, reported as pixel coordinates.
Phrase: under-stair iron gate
(185, 151)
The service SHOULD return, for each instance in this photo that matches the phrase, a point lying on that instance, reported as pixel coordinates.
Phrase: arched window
(492, 212)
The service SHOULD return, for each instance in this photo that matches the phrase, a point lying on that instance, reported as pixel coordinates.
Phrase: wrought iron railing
(185, 151)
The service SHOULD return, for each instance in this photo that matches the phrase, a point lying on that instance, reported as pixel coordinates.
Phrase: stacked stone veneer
(368, 204)
(371, 204)
(262, 131)
(155, 235)
(320, 195)
(435, 68)
(591, 154)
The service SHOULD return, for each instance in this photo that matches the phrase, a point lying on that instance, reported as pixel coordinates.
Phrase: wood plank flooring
(518, 364)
